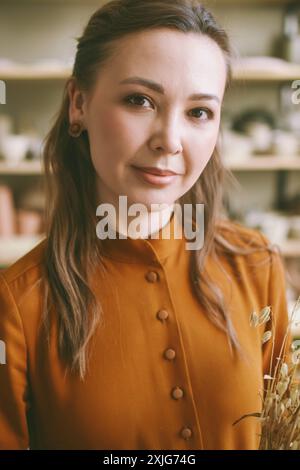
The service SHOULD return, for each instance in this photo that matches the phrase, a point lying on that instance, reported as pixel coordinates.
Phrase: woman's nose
(167, 138)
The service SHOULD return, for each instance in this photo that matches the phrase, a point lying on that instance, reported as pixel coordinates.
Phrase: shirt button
(170, 354)
(152, 276)
(186, 433)
(177, 393)
(162, 315)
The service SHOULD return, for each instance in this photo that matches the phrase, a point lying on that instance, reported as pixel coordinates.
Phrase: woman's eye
(136, 100)
(203, 114)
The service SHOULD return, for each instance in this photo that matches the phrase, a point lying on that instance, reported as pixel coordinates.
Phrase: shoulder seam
(25, 270)
(32, 264)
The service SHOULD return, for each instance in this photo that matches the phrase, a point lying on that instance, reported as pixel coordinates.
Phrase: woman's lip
(156, 180)
(156, 171)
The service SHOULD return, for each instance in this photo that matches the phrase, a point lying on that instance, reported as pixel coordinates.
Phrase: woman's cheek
(202, 150)
(108, 125)
(123, 131)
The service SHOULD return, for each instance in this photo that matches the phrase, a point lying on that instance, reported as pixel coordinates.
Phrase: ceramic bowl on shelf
(235, 147)
(6, 126)
(14, 148)
(285, 143)
(276, 228)
(261, 136)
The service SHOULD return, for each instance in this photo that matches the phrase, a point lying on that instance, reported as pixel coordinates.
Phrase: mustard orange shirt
(161, 375)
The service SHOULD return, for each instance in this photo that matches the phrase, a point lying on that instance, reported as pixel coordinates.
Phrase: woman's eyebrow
(159, 88)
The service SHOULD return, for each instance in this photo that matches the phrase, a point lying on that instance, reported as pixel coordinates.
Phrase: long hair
(72, 251)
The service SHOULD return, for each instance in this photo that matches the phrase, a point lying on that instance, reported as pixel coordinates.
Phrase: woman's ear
(76, 100)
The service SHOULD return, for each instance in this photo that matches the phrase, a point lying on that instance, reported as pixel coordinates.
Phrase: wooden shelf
(23, 168)
(242, 71)
(265, 69)
(255, 163)
(12, 248)
(20, 72)
(265, 75)
(264, 163)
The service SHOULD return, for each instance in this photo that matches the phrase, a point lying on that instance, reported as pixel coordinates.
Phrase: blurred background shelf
(265, 163)
(283, 71)
(34, 73)
(23, 168)
(255, 163)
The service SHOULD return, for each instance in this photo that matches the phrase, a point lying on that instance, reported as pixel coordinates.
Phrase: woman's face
(156, 104)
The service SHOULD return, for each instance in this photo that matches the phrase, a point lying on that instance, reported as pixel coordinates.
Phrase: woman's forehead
(171, 45)
(174, 59)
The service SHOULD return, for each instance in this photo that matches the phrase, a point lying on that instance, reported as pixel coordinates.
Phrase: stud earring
(75, 129)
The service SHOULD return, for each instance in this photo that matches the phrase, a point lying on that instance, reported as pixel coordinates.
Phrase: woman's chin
(150, 199)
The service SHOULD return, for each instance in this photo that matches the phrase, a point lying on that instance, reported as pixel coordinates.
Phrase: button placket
(177, 393)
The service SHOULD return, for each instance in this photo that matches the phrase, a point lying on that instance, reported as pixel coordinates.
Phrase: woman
(137, 342)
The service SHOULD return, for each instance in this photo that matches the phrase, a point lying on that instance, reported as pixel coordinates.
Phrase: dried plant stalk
(280, 415)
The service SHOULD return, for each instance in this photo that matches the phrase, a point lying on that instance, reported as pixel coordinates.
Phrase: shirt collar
(148, 250)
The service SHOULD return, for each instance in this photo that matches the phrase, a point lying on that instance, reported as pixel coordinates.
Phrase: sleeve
(13, 375)
(280, 343)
